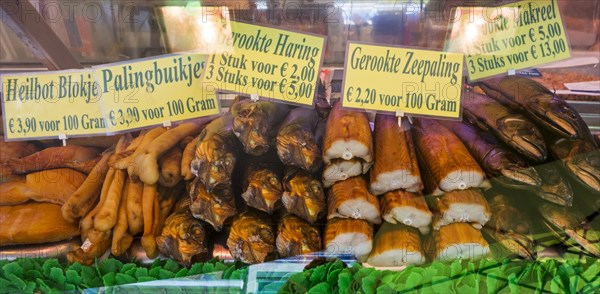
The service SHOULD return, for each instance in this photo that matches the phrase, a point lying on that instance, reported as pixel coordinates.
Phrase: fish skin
(183, 237)
(296, 237)
(254, 123)
(215, 207)
(500, 163)
(547, 109)
(303, 195)
(252, 238)
(394, 152)
(297, 142)
(216, 153)
(510, 127)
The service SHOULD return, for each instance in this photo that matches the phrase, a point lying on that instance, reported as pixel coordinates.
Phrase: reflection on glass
(198, 29)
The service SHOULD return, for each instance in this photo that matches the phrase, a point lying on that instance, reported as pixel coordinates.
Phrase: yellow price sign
(416, 82)
(497, 40)
(154, 91)
(271, 63)
(50, 104)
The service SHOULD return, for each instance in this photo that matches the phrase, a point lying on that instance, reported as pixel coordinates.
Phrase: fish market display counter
(234, 190)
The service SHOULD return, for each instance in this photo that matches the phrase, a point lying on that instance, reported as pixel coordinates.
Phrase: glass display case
(505, 198)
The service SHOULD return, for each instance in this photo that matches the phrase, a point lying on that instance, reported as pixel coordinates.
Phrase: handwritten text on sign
(516, 36)
(44, 105)
(418, 82)
(272, 63)
(150, 92)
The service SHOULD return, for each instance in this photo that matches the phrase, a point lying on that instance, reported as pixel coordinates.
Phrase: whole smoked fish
(216, 153)
(303, 195)
(297, 141)
(262, 182)
(295, 237)
(254, 123)
(214, 207)
(513, 128)
(183, 237)
(251, 238)
(547, 109)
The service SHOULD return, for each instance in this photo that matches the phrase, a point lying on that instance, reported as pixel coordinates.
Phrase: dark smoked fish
(500, 164)
(216, 153)
(555, 188)
(251, 238)
(303, 195)
(512, 128)
(297, 142)
(183, 237)
(295, 237)
(214, 207)
(581, 159)
(262, 182)
(510, 228)
(547, 109)
(255, 123)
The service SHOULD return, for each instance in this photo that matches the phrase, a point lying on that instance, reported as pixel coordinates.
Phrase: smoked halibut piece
(447, 164)
(407, 208)
(80, 158)
(396, 165)
(296, 236)
(351, 199)
(458, 241)
(341, 169)
(54, 186)
(348, 236)
(17, 149)
(465, 206)
(303, 195)
(251, 238)
(347, 135)
(396, 245)
(214, 207)
(34, 223)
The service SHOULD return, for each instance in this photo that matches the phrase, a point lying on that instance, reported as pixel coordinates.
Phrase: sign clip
(399, 115)
(167, 124)
(254, 97)
(63, 137)
(512, 72)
